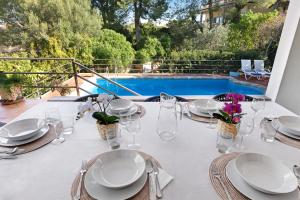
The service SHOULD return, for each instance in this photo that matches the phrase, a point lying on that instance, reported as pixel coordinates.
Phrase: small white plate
(265, 173)
(120, 105)
(284, 131)
(11, 143)
(202, 105)
(100, 192)
(195, 111)
(131, 111)
(252, 193)
(118, 169)
(21, 129)
(290, 123)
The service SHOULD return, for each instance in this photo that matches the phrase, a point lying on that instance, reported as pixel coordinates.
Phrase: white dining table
(47, 173)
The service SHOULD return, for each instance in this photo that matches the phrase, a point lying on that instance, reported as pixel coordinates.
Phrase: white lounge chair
(247, 69)
(259, 68)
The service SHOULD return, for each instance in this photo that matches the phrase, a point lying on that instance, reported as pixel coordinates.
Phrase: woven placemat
(142, 195)
(287, 140)
(46, 139)
(219, 164)
(200, 119)
(283, 138)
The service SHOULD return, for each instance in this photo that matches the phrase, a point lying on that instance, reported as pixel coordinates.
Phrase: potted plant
(229, 116)
(10, 88)
(105, 123)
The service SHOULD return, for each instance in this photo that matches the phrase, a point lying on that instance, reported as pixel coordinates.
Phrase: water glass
(133, 126)
(53, 118)
(113, 139)
(68, 124)
(225, 141)
(245, 129)
(257, 105)
(267, 132)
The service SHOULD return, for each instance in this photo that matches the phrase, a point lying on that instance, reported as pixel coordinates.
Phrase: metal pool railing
(42, 74)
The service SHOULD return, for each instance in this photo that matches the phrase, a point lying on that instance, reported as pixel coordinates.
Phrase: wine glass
(210, 104)
(246, 128)
(53, 118)
(257, 105)
(133, 126)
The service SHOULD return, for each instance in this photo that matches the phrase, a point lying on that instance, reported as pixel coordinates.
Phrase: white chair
(247, 69)
(259, 68)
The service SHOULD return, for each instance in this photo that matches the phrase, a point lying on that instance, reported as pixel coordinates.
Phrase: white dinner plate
(284, 131)
(201, 105)
(10, 143)
(120, 105)
(21, 129)
(131, 111)
(195, 111)
(118, 169)
(100, 192)
(265, 173)
(290, 124)
(252, 193)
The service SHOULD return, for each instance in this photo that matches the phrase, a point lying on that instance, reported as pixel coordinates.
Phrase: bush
(114, 48)
(153, 47)
(245, 35)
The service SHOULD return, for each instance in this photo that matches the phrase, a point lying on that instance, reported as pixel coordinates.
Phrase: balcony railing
(56, 71)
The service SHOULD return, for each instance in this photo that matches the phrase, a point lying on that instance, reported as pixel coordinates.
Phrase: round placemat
(142, 195)
(287, 140)
(200, 119)
(219, 165)
(34, 145)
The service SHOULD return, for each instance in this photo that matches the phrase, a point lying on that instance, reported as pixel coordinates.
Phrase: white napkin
(163, 178)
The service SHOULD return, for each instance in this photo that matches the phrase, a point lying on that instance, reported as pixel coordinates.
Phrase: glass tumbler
(267, 131)
(225, 141)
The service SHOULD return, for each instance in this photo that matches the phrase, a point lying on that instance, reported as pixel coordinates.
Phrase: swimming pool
(178, 86)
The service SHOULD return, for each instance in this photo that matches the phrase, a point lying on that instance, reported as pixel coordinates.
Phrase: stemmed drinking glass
(52, 117)
(211, 103)
(133, 126)
(246, 128)
(257, 105)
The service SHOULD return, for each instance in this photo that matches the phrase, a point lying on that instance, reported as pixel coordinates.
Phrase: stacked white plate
(288, 125)
(116, 175)
(122, 107)
(201, 107)
(262, 177)
(22, 132)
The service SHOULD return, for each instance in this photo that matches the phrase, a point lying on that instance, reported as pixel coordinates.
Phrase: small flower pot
(227, 128)
(11, 95)
(105, 129)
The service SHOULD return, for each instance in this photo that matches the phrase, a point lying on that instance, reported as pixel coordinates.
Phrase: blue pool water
(178, 86)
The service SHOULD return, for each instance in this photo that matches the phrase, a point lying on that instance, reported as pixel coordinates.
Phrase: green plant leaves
(103, 118)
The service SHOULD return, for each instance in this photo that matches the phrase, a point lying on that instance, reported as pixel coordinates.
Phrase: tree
(43, 25)
(147, 9)
(244, 35)
(113, 12)
(113, 48)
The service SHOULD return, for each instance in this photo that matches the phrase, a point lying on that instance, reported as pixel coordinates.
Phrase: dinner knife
(156, 172)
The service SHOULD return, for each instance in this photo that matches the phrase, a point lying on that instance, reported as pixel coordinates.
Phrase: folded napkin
(163, 178)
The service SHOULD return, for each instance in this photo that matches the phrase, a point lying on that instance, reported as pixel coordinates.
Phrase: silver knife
(156, 172)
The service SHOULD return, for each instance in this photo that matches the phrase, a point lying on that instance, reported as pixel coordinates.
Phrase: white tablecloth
(47, 173)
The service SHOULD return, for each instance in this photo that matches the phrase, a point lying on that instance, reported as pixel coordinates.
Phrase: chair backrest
(222, 97)
(85, 98)
(246, 65)
(157, 99)
(259, 65)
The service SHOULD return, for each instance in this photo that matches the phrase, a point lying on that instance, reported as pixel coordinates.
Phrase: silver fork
(82, 172)
(217, 175)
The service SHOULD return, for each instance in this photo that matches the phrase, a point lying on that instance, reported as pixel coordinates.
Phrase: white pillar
(284, 48)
